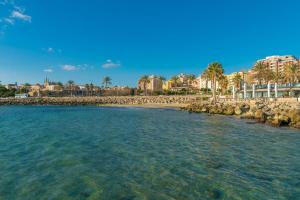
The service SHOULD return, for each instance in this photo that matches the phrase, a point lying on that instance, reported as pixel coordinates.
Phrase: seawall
(119, 100)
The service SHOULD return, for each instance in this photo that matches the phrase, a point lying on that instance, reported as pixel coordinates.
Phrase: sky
(87, 40)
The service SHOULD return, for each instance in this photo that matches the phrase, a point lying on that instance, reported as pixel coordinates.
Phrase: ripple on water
(59, 152)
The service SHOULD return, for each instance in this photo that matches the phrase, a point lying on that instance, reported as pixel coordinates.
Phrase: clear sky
(84, 40)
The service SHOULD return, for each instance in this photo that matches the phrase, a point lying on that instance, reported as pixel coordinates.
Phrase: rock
(260, 116)
(238, 110)
(229, 110)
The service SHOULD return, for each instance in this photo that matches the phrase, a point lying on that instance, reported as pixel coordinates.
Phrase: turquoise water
(134, 153)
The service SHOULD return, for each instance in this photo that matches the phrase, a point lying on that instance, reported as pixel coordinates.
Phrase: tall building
(277, 63)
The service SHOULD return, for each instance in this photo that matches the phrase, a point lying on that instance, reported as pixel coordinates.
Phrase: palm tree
(262, 72)
(191, 78)
(291, 74)
(144, 80)
(87, 87)
(70, 85)
(106, 81)
(162, 78)
(237, 79)
(216, 71)
(259, 71)
(205, 75)
(223, 83)
(175, 80)
(91, 86)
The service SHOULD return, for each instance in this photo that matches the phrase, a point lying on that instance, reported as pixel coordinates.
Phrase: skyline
(85, 41)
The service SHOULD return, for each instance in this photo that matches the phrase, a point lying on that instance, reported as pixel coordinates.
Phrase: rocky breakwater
(273, 113)
(118, 100)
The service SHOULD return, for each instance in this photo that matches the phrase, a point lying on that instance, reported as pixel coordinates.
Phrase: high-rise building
(277, 63)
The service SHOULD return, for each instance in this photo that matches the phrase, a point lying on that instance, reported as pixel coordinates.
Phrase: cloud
(48, 70)
(9, 21)
(51, 50)
(13, 14)
(70, 68)
(110, 64)
(18, 14)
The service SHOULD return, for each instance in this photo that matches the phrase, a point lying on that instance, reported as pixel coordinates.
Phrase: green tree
(259, 71)
(223, 81)
(205, 75)
(263, 73)
(215, 71)
(237, 80)
(291, 74)
(70, 86)
(175, 80)
(106, 81)
(144, 80)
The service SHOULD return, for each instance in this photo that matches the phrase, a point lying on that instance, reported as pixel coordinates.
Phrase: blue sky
(86, 40)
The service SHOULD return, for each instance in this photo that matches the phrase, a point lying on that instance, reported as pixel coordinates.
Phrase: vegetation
(106, 81)
(237, 80)
(144, 80)
(223, 83)
(205, 75)
(263, 73)
(70, 86)
(215, 71)
(175, 80)
(291, 73)
(4, 92)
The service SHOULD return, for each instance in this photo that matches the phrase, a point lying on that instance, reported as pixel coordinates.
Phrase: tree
(205, 75)
(162, 78)
(291, 74)
(91, 87)
(190, 78)
(259, 71)
(237, 79)
(175, 80)
(106, 81)
(87, 88)
(70, 85)
(144, 80)
(223, 83)
(262, 72)
(216, 71)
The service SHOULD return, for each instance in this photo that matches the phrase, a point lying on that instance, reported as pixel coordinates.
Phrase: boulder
(238, 110)
(260, 116)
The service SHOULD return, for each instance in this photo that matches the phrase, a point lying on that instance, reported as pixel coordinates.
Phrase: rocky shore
(273, 113)
(118, 100)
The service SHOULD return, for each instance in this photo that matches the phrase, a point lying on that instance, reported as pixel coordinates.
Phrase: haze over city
(84, 41)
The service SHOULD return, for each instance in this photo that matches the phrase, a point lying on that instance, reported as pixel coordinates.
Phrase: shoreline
(173, 106)
(270, 113)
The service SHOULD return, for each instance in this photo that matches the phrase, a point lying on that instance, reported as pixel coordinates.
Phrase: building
(167, 85)
(154, 84)
(21, 96)
(11, 86)
(50, 86)
(35, 90)
(277, 63)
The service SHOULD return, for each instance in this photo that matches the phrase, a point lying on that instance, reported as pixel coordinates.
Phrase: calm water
(134, 153)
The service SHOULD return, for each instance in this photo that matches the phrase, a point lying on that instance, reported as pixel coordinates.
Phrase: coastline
(276, 113)
(173, 106)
